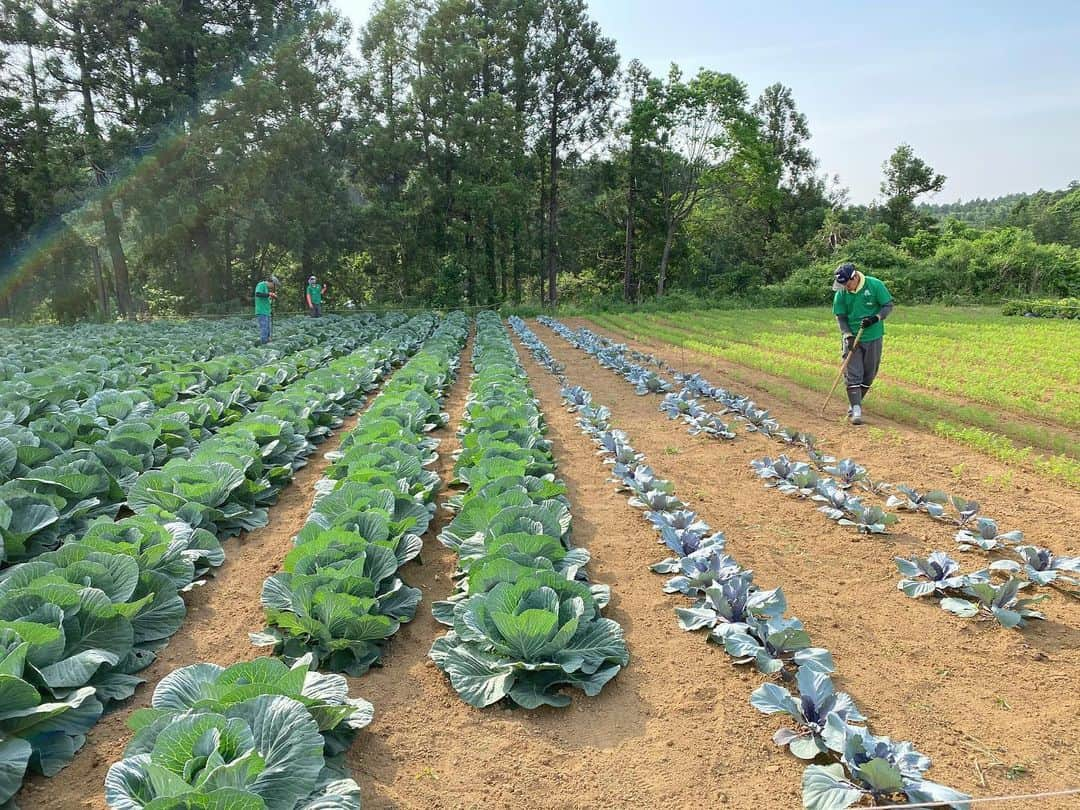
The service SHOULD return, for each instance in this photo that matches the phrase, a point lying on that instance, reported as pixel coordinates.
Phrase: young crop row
(1044, 308)
(272, 733)
(979, 416)
(687, 402)
(851, 763)
(970, 357)
(972, 595)
(339, 596)
(86, 461)
(525, 622)
(969, 596)
(78, 623)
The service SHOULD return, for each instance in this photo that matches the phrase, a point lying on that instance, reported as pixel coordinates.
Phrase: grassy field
(1007, 386)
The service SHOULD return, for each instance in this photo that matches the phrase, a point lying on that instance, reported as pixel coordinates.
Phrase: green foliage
(907, 177)
(454, 162)
(1044, 308)
(79, 622)
(260, 752)
(338, 597)
(1051, 216)
(980, 212)
(949, 262)
(522, 625)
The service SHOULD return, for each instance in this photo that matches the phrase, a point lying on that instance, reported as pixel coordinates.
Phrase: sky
(988, 93)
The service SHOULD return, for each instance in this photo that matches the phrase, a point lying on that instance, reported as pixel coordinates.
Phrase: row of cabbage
(830, 482)
(330, 606)
(525, 622)
(85, 463)
(39, 354)
(78, 623)
(971, 595)
(339, 596)
(54, 375)
(800, 479)
(851, 764)
(24, 348)
(686, 403)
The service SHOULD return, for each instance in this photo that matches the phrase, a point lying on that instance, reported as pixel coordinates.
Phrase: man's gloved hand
(848, 342)
(869, 321)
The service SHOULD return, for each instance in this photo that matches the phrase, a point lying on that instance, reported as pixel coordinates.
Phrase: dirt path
(1047, 512)
(666, 732)
(220, 615)
(1010, 414)
(961, 691)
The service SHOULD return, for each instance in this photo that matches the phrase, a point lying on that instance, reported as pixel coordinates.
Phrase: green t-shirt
(314, 292)
(262, 302)
(867, 300)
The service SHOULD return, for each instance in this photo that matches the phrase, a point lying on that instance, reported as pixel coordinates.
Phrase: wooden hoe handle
(843, 368)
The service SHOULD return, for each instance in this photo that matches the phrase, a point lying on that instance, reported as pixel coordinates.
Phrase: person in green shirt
(314, 294)
(265, 295)
(861, 302)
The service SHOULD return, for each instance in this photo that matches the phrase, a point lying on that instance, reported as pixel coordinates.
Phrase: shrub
(1044, 308)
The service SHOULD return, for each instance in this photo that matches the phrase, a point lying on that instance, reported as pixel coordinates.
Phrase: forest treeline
(1052, 216)
(162, 157)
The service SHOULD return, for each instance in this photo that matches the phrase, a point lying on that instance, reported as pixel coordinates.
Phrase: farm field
(532, 566)
(1009, 387)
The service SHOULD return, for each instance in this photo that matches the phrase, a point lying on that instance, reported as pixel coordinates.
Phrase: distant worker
(265, 295)
(314, 296)
(861, 302)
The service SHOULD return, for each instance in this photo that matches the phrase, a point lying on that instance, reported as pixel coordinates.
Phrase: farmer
(265, 295)
(314, 296)
(861, 302)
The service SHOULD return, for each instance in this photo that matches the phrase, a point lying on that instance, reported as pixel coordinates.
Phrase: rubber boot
(854, 397)
(856, 414)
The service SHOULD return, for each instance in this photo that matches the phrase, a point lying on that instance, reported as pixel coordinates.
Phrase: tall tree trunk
(190, 11)
(628, 253)
(93, 141)
(489, 259)
(553, 206)
(230, 289)
(41, 133)
(664, 258)
(99, 280)
(515, 260)
(470, 270)
(541, 225)
(131, 77)
(116, 256)
(204, 263)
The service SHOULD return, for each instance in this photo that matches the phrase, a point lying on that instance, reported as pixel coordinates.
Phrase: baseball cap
(311, 279)
(843, 275)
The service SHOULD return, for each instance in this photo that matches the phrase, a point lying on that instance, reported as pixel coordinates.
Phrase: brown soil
(1013, 414)
(667, 731)
(1017, 498)
(220, 615)
(675, 727)
(964, 692)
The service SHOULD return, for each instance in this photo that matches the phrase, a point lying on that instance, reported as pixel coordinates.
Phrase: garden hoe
(843, 368)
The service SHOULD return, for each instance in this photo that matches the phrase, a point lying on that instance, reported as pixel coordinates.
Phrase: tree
(907, 177)
(699, 125)
(786, 132)
(577, 84)
(639, 126)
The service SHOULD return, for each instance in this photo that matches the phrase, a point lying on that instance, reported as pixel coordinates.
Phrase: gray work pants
(862, 369)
